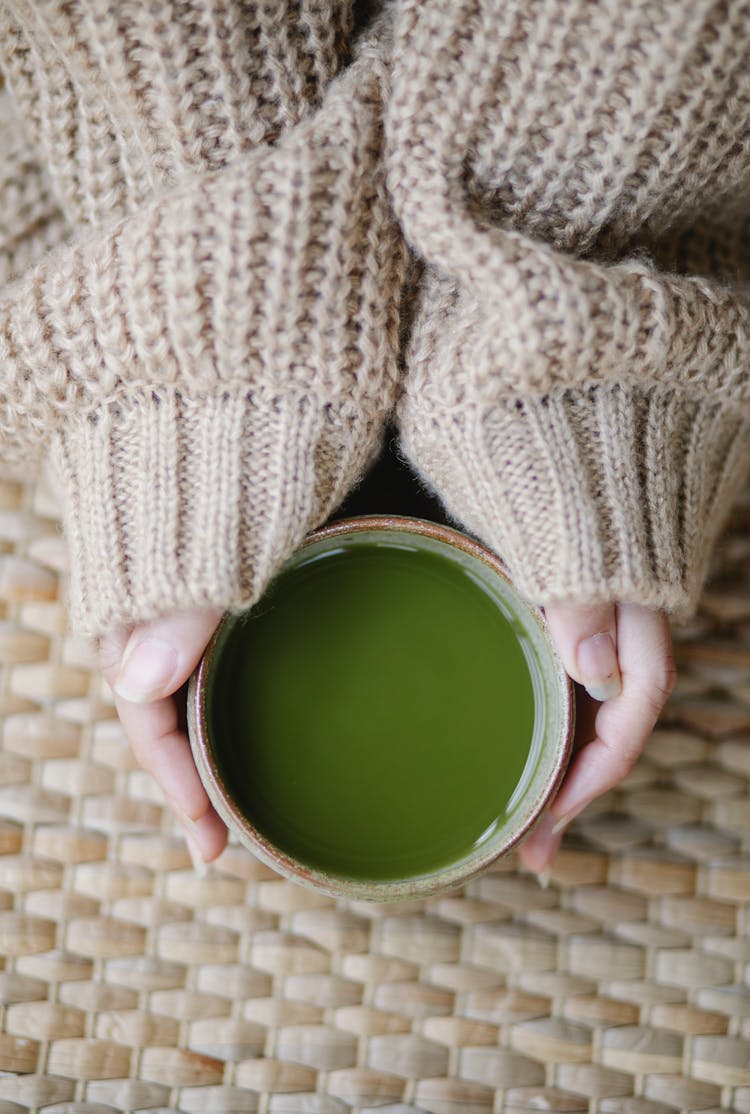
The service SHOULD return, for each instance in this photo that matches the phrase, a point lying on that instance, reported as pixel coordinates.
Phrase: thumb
(160, 655)
(586, 639)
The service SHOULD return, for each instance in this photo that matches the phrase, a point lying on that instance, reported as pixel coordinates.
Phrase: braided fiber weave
(130, 983)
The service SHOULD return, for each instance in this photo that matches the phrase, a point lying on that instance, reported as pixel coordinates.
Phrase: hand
(146, 666)
(622, 655)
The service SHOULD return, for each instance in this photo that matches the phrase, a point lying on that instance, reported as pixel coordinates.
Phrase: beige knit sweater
(213, 213)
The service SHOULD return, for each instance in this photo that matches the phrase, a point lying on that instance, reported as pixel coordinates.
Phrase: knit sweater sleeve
(212, 358)
(576, 178)
(31, 221)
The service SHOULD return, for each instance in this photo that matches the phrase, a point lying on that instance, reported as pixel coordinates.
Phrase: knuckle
(110, 649)
(624, 761)
(109, 670)
(616, 755)
(662, 683)
(670, 674)
(623, 748)
(109, 659)
(654, 701)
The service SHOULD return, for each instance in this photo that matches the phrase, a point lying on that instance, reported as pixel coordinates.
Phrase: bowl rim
(417, 886)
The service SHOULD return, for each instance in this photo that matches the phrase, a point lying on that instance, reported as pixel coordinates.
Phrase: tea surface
(374, 712)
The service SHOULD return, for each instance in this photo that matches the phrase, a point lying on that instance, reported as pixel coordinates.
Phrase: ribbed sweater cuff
(606, 493)
(173, 502)
(213, 370)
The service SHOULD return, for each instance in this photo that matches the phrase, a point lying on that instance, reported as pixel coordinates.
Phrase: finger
(111, 647)
(160, 655)
(164, 751)
(586, 639)
(539, 849)
(624, 723)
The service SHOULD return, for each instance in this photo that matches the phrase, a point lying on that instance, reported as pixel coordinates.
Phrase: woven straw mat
(130, 983)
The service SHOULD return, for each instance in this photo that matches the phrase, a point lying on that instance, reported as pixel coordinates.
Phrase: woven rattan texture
(130, 983)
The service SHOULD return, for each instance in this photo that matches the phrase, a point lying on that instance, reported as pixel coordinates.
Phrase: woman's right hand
(621, 654)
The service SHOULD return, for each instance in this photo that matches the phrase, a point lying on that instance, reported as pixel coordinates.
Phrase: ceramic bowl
(549, 751)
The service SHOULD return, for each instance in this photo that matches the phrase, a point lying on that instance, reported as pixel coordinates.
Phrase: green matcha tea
(373, 715)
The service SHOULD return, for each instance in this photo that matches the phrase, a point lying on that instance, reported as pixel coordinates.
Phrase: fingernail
(543, 878)
(598, 668)
(200, 866)
(541, 845)
(561, 824)
(145, 671)
(575, 803)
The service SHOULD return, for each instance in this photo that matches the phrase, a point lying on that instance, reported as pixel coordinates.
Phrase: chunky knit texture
(214, 354)
(31, 221)
(576, 175)
(205, 207)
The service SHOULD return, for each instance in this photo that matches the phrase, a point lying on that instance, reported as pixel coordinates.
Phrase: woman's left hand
(622, 655)
(147, 666)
